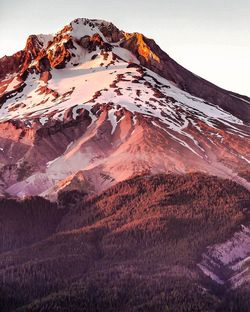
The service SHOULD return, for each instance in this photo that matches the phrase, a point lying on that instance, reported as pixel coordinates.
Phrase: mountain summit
(93, 105)
(128, 153)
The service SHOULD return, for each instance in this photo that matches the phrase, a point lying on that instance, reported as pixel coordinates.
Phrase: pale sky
(209, 37)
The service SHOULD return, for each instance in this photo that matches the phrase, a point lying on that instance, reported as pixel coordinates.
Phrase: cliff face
(109, 104)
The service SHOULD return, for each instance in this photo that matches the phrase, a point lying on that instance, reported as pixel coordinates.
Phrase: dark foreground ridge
(135, 247)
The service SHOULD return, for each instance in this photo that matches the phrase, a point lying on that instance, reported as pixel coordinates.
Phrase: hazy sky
(209, 37)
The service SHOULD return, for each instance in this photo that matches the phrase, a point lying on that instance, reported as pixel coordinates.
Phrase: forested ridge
(134, 247)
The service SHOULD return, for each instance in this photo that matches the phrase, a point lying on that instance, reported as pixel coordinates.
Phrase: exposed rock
(11, 64)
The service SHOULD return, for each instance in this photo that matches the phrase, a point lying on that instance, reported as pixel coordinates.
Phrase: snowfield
(232, 255)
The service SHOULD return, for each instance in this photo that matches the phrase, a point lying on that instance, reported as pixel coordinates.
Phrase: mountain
(124, 179)
(93, 105)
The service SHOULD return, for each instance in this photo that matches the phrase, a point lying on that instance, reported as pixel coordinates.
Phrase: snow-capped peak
(84, 27)
(116, 95)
